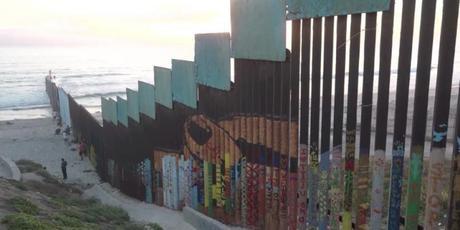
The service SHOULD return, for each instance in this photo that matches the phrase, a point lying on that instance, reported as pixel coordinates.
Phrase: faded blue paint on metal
(148, 180)
(112, 104)
(194, 196)
(183, 82)
(298, 9)
(163, 93)
(105, 109)
(396, 182)
(147, 99)
(122, 111)
(212, 60)
(133, 104)
(324, 205)
(64, 110)
(258, 29)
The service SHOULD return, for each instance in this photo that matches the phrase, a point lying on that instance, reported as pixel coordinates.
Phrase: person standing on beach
(82, 148)
(64, 168)
(66, 135)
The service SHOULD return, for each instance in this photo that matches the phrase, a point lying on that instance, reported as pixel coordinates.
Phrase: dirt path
(35, 140)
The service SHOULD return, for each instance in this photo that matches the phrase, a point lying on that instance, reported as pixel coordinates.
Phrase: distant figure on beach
(64, 168)
(57, 131)
(59, 122)
(82, 148)
(66, 134)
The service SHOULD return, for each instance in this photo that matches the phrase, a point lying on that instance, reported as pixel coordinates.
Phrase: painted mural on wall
(231, 150)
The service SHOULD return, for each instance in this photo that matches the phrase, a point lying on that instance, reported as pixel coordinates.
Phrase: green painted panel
(212, 60)
(133, 104)
(183, 82)
(112, 104)
(258, 29)
(163, 93)
(105, 109)
(298, 9)
(147, 99)
(122, 111)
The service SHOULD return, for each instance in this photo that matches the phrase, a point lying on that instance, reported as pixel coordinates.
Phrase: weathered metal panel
(163, 94)
(64, 110)
(147, 99)
(105, 109)
(112, 108)
(313, 8)
(258, 29)
(212, 60)
(183, 82)
(147, 171)
(122, 111)
(133, 104)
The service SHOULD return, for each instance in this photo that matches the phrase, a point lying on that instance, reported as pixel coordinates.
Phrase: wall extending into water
(257, 152)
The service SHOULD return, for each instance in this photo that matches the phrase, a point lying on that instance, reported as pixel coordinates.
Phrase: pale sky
(139, 22)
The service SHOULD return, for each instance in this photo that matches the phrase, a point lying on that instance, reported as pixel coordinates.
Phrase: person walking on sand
(66, 135)
(82, 148)
(64, 168)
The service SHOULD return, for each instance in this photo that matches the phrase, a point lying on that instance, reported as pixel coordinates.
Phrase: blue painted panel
(163, 93)
(113, 111)
(147, 99)
(64, 110)
(212, 60)
(122, 111)
(259, 29)
(148, 180)
(183, 82)
(105, 109)
(174, 183)
(313, 8)
(165, 181)
(133, 104)
(324, 204)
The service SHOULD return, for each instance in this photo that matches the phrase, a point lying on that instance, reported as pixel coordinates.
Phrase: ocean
(87, 73)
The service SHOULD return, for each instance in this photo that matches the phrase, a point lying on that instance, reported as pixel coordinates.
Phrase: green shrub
(23, 221)
(47, 177)
(131, 226)
(24, 206)
(91, 211)
(80, 215)
(71, 201)
(27, 166)
(19, 185)
(155, 226)
(105, 213)
(67, 221)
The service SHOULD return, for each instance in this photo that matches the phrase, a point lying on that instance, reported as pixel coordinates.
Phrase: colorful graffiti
(252, 152)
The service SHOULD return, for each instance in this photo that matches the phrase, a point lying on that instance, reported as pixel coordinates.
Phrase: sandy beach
(34, 140)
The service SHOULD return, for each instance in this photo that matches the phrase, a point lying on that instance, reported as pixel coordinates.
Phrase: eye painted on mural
(202, 135)
(199, 134)
(203, 138)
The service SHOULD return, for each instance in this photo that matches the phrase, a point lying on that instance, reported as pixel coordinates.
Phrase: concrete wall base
(200, 221)
(9, 169)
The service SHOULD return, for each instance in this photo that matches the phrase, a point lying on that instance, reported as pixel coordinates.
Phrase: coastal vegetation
(41, 201)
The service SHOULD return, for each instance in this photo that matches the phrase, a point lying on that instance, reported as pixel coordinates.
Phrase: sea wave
(25, 107)
(92, 75)
(95, 95)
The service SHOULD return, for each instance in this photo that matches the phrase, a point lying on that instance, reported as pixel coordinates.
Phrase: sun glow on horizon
(138, 22)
